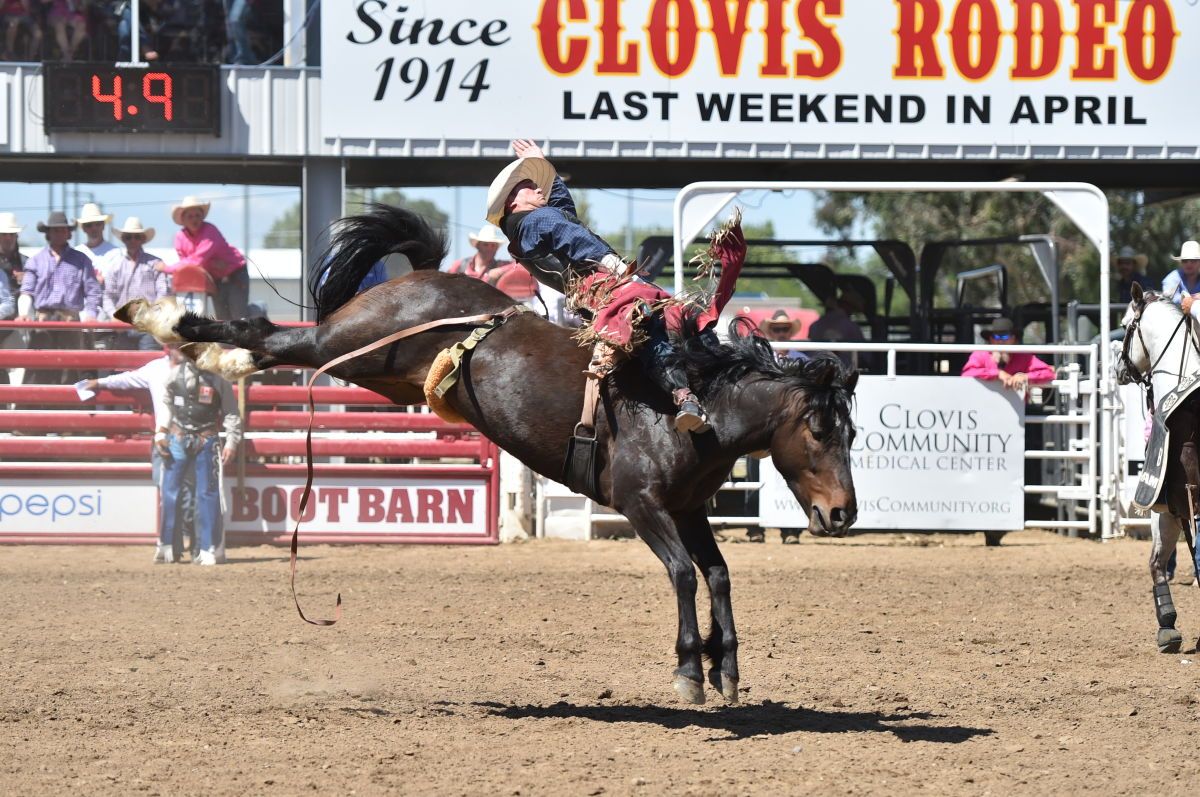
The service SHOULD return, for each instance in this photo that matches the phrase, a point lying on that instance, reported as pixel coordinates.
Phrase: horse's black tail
(359, 242)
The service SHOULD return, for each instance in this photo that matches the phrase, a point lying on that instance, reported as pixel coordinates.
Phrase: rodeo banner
(932, 453)
(886, 72)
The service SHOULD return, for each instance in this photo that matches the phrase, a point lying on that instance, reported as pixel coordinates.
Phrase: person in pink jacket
(200, 243)
(1016, 370)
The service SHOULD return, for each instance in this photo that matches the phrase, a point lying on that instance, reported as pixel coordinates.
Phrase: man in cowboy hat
(92, 222)
(132, 274)
(1183, 283)
(59, 283)
(781, 327)
(1014, 370)
(200, 243)
(1130, 267)
(12, 262)
(836, 325)
(533, 207)
(486, 242)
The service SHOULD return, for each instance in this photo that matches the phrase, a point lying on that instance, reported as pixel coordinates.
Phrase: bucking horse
(523, 386)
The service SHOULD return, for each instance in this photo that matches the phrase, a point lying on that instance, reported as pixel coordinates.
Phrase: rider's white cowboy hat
(189, 202)
(133, 226)
(1129, 253)
(1190, 251)
(8, 223)
(488, 234)
(56, 219)
(91, 213)
(537, 169)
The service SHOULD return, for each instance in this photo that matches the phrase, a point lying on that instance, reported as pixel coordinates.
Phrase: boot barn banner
(931, 453)
(887, 72)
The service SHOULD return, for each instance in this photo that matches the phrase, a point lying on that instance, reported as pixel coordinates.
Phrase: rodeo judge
(622, 313)
(198, 404)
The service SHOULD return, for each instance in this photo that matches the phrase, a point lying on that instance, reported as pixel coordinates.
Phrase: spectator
(8, 305)
(836, 326)
(486, 242)
(1016, 370)
(198, 405)
(1183, 283)
(64, 14)
(17, 14)
(147, 17)
(237, 31)
(782, 327)
(12, 262)
(1184, 280)
(132, 274)
(1130, 268)
(200, 243)
(92, 222)
(59, 283)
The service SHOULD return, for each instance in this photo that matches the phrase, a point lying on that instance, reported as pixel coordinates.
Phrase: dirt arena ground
(874, 665)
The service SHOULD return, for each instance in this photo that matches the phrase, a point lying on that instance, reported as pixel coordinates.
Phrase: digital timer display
(160, 98)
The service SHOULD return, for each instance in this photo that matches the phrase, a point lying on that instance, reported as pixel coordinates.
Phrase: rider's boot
(690, 416)
(661, 365)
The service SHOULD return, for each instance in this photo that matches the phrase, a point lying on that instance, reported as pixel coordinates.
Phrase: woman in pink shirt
(200, 243)
(1015, 370)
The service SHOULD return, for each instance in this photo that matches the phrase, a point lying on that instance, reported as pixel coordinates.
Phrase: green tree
(285, 230)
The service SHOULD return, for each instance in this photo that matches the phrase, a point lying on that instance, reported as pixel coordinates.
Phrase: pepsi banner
(1100, 73)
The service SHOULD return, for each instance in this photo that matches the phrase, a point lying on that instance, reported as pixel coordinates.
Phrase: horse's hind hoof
(1169, 640)
(230, 364)
(689, 690)
(159, 319)
(728, 687)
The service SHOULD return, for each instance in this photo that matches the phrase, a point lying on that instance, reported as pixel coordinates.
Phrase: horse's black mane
(820, 378)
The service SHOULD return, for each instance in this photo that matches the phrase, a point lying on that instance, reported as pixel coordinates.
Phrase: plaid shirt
(554, 229)
(66, 283)
(125, 280)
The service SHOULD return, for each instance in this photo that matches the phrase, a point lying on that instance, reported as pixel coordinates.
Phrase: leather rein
(499, 319)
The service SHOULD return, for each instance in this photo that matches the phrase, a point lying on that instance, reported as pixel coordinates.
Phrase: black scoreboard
(158, 98)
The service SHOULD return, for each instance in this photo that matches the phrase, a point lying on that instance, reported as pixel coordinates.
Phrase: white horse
(1162, 353)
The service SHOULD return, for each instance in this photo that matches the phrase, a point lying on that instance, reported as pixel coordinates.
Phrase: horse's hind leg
(659, 531)
(721, 644)
(1165, 530)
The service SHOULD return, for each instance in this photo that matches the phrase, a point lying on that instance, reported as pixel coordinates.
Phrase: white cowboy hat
(188, 202)
(488, 234)
(1190, 251)
(90, 213)
(56, 219)
(133, 226)
(537, 169)
(8, 223)
(1129, 253)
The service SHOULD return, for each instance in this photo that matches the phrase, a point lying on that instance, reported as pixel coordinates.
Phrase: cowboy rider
(533, 207)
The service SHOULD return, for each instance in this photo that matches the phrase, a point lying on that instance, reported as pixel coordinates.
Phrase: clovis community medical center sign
(998, 73)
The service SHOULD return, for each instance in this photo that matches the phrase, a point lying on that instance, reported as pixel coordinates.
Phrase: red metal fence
(63, 463)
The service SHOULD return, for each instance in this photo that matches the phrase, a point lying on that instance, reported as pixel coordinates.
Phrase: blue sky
(152, 202)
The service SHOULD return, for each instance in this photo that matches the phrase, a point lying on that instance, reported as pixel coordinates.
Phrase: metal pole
(135, 32)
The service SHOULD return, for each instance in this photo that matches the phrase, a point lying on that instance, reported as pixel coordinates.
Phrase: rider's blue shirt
(1174, 281)
(554, 229)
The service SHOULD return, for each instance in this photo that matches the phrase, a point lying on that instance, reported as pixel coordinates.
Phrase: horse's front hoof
(1169, 640)
(728, 687)
(689, 690)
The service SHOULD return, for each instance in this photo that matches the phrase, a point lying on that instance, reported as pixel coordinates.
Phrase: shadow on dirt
(741, 722)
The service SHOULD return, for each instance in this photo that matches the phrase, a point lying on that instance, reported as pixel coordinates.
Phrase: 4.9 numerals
(156, 89)
(416, 72)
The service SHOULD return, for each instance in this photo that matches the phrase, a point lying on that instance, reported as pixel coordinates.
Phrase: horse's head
(1135, 360)
(810, 447)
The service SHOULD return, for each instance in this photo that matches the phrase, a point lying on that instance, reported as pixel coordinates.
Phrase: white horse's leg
(1165, 530)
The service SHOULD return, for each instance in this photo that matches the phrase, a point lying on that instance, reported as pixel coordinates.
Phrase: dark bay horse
(523, 387)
